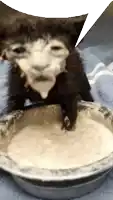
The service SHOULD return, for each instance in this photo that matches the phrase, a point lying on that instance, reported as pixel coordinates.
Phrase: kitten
(45, 65)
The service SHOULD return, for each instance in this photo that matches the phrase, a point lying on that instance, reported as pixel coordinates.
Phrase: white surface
(42, 4)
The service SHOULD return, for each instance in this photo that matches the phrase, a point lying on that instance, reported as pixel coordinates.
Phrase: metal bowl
(61, 190)
(56, 184)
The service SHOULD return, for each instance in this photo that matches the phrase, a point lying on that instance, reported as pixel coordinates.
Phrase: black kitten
(45, 66)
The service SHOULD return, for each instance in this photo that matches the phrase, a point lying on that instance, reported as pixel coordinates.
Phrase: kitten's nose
(40, 67)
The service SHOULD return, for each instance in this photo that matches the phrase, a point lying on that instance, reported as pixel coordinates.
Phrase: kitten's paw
(8, 120)
(67, 124)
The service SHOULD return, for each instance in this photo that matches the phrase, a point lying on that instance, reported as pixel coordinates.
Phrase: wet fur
(69, 85)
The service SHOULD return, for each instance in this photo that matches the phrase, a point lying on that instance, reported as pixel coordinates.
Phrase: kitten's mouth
(41, 78)
(42, 84)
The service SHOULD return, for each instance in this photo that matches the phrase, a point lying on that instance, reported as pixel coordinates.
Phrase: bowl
(56, 184)
(60, 191)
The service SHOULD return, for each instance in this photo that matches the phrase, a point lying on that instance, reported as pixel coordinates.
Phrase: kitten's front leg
(86, 96)
(15, 103)
(69, 112)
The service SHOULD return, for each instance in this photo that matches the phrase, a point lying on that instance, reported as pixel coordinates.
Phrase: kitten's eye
(19, 50)
(56, 48)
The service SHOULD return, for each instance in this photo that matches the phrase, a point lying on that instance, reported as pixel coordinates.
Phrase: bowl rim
(8, 165)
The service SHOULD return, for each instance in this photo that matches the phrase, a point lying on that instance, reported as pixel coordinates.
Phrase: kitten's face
(39, 47)
(40, 61)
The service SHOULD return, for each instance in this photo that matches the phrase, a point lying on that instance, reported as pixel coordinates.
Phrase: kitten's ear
(76, 25)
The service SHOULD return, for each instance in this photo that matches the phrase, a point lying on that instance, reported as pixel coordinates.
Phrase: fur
(45, 66)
